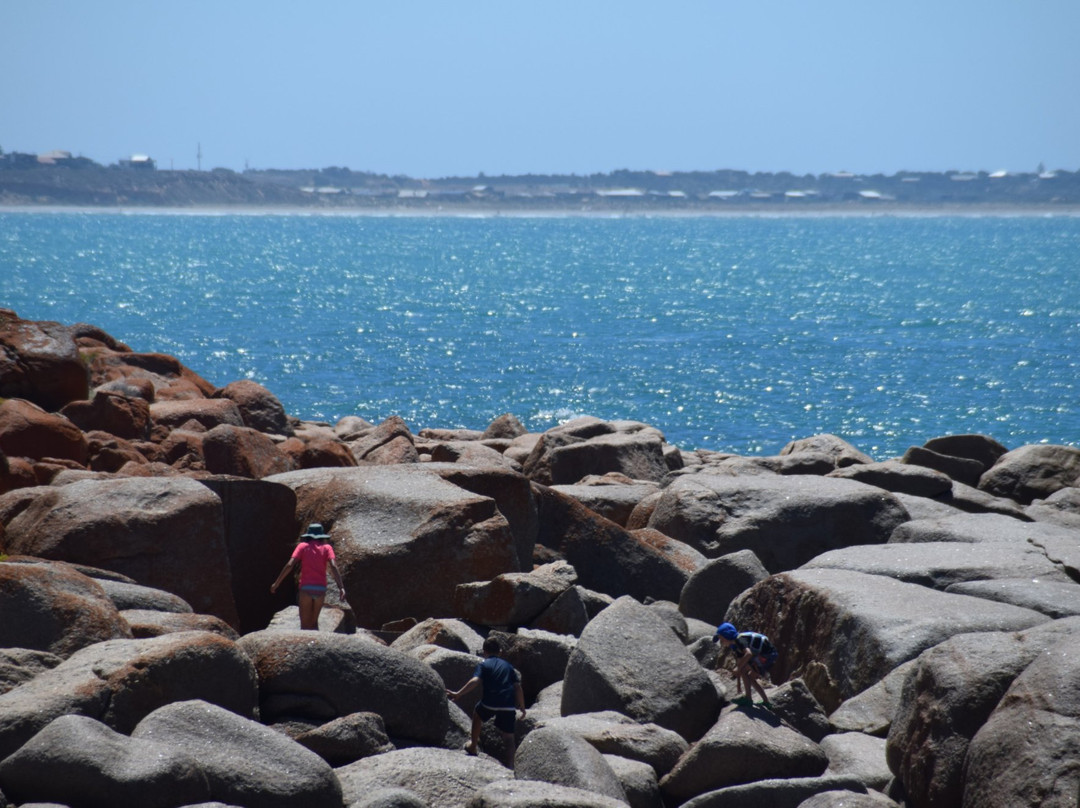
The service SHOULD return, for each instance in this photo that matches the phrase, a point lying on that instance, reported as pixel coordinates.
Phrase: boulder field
(926, 607)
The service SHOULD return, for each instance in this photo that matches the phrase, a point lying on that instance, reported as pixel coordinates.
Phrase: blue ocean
(736, 334)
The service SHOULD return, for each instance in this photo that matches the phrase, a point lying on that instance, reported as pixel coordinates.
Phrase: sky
(436, 89)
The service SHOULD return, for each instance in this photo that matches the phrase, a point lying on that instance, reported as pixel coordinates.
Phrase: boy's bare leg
(511, 749)
(474, 742)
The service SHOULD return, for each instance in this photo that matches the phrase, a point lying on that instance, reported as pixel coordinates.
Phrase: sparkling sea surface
(727, 333)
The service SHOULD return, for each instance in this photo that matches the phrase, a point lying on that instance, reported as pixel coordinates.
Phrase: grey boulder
(50, 606)
(119, 682)
(947, 697)
(1026, 753)
(741, 748)
(939, 565)
(439, 777)
(78, 761)
(787, 792)
(538, 794)
(244, 762)
(785, 521)
(861, 626)
(629, 660)
(323, 676)
(612, 733)
(566, 759)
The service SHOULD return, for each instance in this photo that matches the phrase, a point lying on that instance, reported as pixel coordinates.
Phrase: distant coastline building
(54, 158)
(139, 161)
(620, 192)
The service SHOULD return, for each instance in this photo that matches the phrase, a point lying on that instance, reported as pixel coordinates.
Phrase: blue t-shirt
(498, 678)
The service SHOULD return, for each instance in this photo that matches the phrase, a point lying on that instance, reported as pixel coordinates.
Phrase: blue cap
(727, 631)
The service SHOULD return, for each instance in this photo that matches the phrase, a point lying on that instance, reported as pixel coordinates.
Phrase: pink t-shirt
(314, 556)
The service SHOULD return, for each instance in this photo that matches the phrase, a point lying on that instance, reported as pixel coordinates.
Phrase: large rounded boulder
(1026, 753)
(321, 676)
(26, 430)
(39, 361)
(404, 537)
(119, 682)
(50, 606)
(165, 533)
(77, 761)
(1032, 472)
(244, 762)
(741, 748)
(629, 660)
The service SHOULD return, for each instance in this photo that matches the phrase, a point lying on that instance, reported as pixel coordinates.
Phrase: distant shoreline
(491, 211)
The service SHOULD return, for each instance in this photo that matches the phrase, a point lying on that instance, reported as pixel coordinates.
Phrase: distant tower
(198, 157)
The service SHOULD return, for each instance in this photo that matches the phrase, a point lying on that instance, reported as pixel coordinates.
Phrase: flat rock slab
(941, 564)
(860, 756)
(785, 520)
(1052, 598)
(780, 793)
(537, 794)
(975, 528)
(862, 626)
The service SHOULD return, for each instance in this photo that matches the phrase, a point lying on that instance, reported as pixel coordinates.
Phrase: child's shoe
(742, 701)
(766, 704)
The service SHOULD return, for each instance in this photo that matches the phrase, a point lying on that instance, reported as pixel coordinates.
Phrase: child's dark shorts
(504, 719)
(764, 662)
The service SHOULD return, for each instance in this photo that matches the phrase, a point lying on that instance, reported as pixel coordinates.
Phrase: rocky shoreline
(926, 608)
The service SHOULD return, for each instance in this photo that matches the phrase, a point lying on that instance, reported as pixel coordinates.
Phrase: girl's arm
(337, 578)
(284, 572)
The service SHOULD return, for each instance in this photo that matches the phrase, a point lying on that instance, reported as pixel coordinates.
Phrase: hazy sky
(432, 89)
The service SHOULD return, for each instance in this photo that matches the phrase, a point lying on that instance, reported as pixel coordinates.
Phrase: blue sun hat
(727, 631)
(315, 531)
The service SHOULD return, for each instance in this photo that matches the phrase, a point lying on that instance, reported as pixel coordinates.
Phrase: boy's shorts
(504, 719)
(763, 663)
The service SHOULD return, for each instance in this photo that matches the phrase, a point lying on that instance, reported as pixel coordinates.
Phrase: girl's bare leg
(309, 612)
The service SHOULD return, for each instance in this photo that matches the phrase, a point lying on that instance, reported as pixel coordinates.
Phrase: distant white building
(623, 192)
(143, 161)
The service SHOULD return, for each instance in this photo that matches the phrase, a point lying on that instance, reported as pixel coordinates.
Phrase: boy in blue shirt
(502, 691)
(754, 656)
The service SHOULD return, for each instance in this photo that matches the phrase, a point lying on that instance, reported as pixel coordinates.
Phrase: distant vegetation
(57, 178)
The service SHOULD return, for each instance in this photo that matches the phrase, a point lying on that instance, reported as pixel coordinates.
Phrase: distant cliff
(81, 182)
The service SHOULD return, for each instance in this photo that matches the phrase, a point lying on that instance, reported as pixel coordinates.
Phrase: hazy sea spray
(735, 334)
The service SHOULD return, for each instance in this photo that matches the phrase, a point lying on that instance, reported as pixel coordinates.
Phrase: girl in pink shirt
(314, 555)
